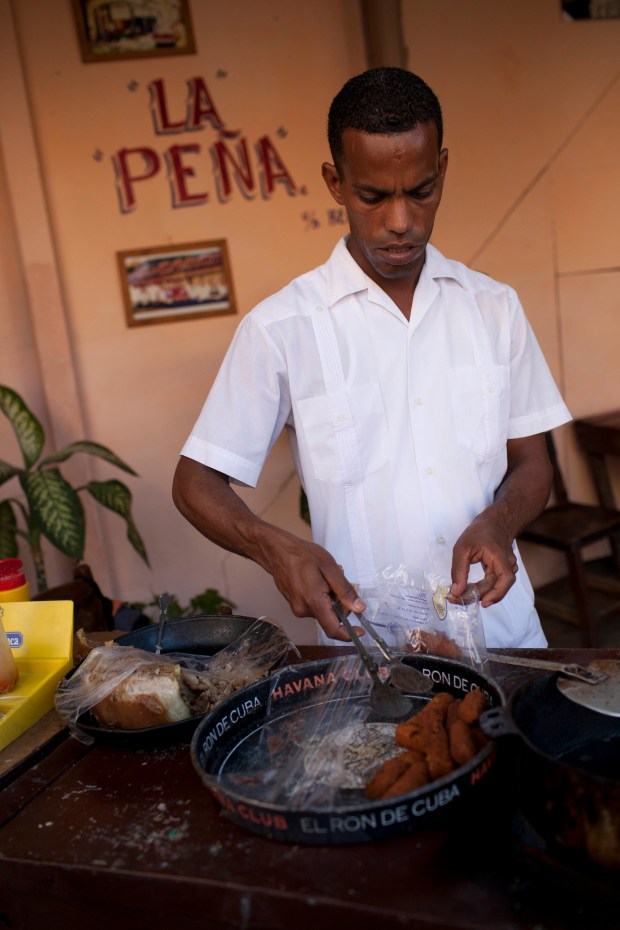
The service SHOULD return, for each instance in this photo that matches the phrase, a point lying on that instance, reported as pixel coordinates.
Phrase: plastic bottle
(9, 673)
(13, 587)
(13, 584)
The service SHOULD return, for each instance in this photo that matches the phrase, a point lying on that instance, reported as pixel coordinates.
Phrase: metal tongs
(386, 697)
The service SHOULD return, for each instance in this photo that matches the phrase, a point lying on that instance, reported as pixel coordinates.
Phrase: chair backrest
(559, 488)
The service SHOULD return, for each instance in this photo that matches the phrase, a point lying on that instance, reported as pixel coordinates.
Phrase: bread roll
(151, 696)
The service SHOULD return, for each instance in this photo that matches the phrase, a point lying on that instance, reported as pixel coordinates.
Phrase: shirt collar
(345, 277)
(438, 266)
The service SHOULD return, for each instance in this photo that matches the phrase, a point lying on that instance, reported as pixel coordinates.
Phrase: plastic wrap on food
(307, 758)
(128, 688)
(414, 612)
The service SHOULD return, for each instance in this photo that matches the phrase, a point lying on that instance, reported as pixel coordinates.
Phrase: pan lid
(603, 697)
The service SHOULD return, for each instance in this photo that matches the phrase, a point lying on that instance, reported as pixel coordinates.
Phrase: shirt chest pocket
(480, 399)
(344, 433)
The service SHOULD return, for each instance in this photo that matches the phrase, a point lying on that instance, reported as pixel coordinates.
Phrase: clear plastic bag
(414, 613)
(128, 688)
(304, 759)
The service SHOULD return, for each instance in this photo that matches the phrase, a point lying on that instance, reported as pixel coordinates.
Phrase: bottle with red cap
(13, 583)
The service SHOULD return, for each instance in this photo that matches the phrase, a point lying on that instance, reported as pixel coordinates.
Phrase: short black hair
(381, 100)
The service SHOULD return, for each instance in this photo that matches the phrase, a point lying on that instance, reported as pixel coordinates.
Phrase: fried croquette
(439, 738)
(462, 744)
(416, 775)
(472, 706)
(409, 735)
(435, 735)
(388, 774)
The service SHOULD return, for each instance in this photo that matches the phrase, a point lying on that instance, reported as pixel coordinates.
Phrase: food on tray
(346, 756)
(132, 689)
(441, 737)
(156, 690)
(389, 773)
(152, 695)
(398, 775)
(462, 743)
(471, 706)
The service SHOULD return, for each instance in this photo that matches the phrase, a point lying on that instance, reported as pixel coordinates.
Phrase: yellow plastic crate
(41, 636)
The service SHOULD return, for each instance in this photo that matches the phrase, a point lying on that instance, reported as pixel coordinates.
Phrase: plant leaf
(90, 448)
(7, 471)
(57, 510)
(8, 537)
(116, 496)
(28, 429)
(209, 601)
(175, 611)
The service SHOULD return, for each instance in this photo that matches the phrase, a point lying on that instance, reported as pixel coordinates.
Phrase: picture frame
(168, 283)
(118, 29)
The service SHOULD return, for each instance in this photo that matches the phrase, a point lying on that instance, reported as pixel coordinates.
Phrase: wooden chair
(569, 527)
(599, 439)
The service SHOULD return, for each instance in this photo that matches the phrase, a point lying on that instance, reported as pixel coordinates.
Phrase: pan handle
(571, 671)
(497, 722)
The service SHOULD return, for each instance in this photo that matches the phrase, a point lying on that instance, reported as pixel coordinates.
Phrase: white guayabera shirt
(398, 428)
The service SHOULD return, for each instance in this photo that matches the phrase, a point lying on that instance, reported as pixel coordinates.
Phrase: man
(412, 388)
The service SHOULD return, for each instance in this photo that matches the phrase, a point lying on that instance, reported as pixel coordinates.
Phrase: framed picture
(109, 30)
(176, 282)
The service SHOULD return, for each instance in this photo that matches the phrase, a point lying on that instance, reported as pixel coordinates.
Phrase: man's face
(391, 187)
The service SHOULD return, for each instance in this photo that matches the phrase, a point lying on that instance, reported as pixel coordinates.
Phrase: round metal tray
(232, 751)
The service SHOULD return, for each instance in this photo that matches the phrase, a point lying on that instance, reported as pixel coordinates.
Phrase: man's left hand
(489, 539)
(487, 542)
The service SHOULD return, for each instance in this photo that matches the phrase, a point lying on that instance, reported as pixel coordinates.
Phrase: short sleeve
(536, 403)
(246, 409)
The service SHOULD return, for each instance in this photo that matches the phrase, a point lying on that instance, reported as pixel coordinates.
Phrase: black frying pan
(203, 635)
(189, 636)
(568, 759)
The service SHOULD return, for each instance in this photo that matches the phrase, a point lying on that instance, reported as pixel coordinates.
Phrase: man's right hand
(306, 574)
(303, 572)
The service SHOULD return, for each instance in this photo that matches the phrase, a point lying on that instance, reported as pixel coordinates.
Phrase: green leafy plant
(208, 602)
(50, 506)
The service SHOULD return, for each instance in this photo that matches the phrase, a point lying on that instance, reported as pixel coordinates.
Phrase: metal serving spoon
(402, 676)
(385, 699)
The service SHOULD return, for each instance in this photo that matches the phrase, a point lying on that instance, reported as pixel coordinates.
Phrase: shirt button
(341, 418)
(491, 390)
(419, 401)
(440, 540)
(430, 471)
(318, 309)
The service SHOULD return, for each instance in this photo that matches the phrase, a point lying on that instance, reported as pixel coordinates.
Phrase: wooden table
(100, 837)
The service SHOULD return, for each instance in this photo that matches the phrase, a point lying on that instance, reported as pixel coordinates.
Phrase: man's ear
(332, 180)
(443, 162)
